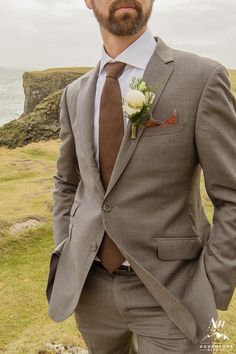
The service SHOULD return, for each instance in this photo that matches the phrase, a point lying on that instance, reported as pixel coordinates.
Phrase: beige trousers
(117, 315)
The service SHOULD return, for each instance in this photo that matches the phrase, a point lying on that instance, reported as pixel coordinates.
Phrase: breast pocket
(171, 122)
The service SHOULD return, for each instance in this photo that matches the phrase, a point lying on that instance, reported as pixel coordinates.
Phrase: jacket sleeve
(215, 135)
(67, 176)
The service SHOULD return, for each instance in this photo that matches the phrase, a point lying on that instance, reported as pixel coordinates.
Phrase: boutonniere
(137, 103)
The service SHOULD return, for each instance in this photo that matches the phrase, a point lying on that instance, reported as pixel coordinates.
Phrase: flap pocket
(74, 208)
(178, 248)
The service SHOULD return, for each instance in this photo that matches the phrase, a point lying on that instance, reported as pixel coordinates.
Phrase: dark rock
(54, 348)
(41, 124)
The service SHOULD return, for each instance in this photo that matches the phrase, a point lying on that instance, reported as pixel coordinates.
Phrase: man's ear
(89, 4)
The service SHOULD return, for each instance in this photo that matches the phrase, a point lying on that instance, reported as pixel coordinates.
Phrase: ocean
(11, 93)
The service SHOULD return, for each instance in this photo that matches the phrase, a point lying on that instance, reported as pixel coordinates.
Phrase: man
(135, 254)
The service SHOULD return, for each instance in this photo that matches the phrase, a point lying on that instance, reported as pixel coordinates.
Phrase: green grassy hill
(79, 69)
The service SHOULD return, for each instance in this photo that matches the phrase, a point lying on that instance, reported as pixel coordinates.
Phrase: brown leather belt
(122, 267)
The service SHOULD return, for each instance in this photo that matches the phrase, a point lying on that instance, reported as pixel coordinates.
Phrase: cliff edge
(40, 120)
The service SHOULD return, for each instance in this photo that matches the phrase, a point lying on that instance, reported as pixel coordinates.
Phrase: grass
(32, 166)
(25, 325)
(26, 185)
(232, 75)
(25, 192)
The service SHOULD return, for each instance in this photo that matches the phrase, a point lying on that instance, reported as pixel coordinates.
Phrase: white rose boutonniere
(137, 103)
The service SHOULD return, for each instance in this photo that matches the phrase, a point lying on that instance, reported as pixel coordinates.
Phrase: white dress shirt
(136, 56)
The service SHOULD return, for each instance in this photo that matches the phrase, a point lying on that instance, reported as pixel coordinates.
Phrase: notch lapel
(85, 112)
(158, 73)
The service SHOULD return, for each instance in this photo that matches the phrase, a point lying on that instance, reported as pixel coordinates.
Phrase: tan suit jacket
(152, 207)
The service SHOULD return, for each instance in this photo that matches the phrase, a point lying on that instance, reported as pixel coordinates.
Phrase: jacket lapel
(158, 73)
(85, 112)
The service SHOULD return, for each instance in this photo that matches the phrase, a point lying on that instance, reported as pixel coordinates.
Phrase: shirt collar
(137, 54)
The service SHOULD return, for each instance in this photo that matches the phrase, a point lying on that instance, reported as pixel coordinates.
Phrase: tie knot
(114, 70)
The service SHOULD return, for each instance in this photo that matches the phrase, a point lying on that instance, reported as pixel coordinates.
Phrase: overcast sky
(52, 33)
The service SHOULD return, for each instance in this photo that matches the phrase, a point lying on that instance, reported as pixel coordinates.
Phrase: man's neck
(115, 45)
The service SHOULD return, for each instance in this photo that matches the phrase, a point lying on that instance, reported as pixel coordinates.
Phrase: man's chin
(124, 24)
(126, 19)
(128, 15)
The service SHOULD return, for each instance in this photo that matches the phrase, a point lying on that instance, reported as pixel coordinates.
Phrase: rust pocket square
(153, 122)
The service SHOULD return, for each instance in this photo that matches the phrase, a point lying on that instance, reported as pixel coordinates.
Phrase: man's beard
(125, 24)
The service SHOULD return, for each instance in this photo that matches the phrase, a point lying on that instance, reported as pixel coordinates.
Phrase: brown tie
(111, 131)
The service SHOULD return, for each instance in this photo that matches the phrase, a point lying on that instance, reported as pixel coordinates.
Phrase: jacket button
(106, 207)
(93, 246)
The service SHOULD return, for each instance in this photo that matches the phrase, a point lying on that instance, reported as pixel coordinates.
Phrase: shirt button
(107, 207)
(93, 246)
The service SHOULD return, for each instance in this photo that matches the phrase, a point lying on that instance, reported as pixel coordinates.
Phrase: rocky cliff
(40, 84)
(40, 120)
